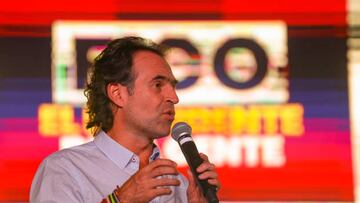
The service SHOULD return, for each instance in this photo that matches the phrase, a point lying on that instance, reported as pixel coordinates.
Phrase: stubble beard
(153, 130)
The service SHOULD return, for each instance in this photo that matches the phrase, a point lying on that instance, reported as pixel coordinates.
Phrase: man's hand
(144, 185)
(206, 171)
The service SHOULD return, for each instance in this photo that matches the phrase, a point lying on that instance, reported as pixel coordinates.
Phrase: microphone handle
(194, 161)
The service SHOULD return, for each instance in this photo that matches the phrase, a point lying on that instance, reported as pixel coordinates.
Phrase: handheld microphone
(181, 132)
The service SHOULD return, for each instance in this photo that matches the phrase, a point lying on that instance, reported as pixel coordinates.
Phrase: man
(131, 97)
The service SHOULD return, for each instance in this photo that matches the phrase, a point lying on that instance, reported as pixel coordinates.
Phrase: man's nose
(172, 96)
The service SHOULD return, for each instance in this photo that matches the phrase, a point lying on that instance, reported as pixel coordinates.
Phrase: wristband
(117, 193)
(113, 197)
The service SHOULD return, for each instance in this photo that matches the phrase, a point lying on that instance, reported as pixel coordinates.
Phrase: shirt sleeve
(54, 183)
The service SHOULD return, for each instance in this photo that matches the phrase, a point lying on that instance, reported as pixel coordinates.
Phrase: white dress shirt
(90, 172)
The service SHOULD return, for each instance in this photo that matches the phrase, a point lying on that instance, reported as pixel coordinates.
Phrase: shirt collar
(118, 153)
(155, 154)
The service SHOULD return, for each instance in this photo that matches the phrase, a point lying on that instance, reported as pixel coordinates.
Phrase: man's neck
(139, 145)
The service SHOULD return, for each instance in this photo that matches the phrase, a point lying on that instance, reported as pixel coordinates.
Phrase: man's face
(149, 110)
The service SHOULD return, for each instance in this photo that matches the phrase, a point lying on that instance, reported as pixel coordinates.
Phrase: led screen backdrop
(270, 109)
(282, 136)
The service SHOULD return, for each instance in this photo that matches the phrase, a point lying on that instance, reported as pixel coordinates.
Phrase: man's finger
(206, 166)
(204, 157)
(164, 170)
(164, 181)
(160, 191)
(215, 182)
(208, 175)
(160, 162)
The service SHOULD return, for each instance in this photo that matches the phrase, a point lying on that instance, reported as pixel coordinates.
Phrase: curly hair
(112, 65)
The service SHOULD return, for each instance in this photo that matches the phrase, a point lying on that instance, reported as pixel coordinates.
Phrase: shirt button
(133, 159)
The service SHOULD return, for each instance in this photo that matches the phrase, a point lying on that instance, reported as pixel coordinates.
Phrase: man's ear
(116, 93)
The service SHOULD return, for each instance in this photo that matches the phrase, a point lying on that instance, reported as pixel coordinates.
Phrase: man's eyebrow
(173, 82)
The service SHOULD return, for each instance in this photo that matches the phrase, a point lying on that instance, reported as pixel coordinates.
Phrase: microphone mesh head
(179, 130)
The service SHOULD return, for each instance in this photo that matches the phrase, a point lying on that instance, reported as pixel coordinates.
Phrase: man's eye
(158, 84)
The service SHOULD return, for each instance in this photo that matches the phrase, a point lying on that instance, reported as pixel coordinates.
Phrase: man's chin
(162, 130)
(163, 133)
(160, 136)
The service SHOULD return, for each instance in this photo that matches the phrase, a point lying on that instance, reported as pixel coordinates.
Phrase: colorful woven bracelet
(116, 194)
(112, 198)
